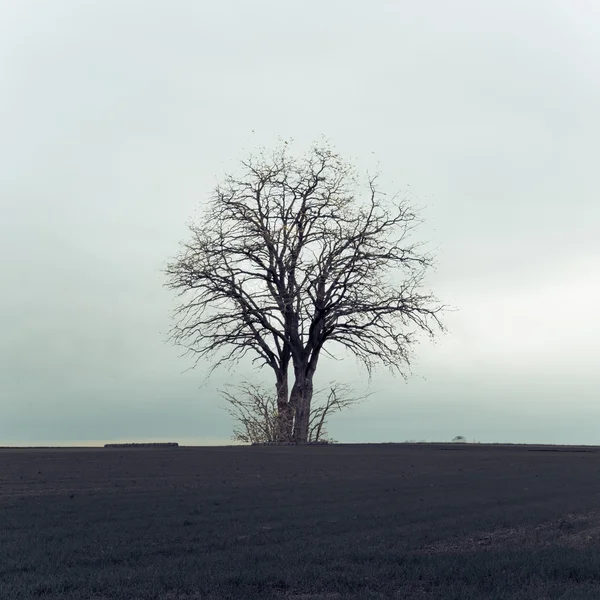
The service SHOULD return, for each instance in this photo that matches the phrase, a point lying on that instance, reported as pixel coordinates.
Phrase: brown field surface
(422, 521)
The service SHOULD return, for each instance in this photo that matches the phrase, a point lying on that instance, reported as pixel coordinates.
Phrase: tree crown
(289, 259)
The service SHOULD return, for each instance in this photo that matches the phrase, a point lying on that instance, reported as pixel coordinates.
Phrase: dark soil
(301, 522)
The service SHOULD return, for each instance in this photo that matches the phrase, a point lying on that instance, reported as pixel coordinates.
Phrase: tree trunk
(300, 399)
(285, 412)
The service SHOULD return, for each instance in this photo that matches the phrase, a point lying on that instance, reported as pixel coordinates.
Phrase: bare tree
(289, 261)
(255, 411)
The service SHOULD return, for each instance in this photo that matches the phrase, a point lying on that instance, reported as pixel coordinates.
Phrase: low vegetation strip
(320, 443)
(144, 445)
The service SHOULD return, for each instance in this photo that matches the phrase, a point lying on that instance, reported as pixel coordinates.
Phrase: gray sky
(118, 118)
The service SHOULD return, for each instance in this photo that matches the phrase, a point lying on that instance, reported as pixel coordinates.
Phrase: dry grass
(571, 530)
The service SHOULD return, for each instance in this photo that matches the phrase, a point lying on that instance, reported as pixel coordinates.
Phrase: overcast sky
(118, 117)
